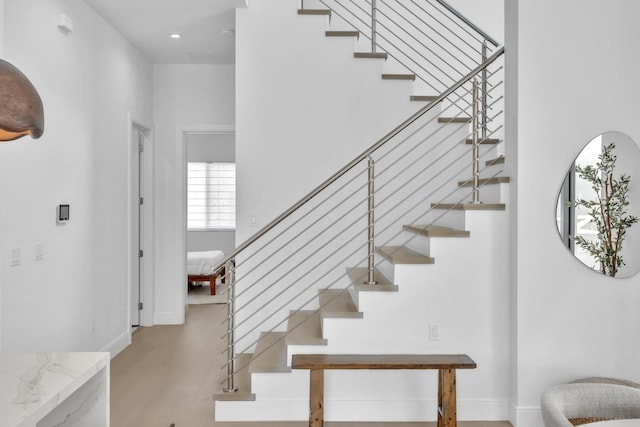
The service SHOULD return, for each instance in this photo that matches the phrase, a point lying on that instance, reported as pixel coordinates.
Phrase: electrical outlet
(39, 252)
(434, 332)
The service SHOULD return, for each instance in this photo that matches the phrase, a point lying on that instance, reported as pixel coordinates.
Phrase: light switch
(39, 252)
(15, 257)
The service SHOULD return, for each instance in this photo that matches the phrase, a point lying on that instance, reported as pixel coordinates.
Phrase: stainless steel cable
(330, 300)
(399, 179)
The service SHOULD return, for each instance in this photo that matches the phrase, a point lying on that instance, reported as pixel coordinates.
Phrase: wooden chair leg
(212, 284)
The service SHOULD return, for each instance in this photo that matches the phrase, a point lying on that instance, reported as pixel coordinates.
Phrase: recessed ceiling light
(227, 32)
(175, 35)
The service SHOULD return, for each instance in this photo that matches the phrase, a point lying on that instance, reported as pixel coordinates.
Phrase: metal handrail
(366, 153)
(468, 22)
(344, 229)
(269, 321)
(349, 286)
(315, 264)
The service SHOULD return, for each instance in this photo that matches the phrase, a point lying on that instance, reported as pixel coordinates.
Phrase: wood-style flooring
(169, 374)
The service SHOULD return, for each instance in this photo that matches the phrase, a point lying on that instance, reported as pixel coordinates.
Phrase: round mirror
(598, 206)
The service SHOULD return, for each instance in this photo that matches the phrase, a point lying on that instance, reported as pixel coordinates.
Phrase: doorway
(223, 240)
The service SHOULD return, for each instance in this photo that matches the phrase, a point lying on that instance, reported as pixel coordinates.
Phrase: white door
(137, 225)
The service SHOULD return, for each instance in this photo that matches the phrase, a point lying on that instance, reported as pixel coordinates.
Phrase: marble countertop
(32, 384)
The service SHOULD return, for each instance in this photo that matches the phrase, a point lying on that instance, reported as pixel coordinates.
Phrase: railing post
(371, 222)
(484, 90)
(476, 145)
(231, 296)
(374, 24)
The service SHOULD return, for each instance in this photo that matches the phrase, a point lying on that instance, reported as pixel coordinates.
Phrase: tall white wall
(305, 108)
(185, 97)
(89, 81)
(488, 15)
(575, 74)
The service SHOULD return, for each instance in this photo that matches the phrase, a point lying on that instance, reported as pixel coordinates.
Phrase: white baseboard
(360, 410)
(528, 416)
(119, 344)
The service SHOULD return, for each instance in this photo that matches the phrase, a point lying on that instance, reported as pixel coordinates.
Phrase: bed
(200, 267)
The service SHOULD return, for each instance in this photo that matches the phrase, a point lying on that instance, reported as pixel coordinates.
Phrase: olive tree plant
(608, 211)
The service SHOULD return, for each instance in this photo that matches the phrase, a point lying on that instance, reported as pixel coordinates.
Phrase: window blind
(211, 195)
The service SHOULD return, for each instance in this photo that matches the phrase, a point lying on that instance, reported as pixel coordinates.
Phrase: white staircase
(442, 288)
(462, 290)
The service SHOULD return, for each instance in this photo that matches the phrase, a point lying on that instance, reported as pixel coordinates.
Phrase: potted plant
(608, 211)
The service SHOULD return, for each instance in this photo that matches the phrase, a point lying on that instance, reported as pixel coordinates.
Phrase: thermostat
(63, 214)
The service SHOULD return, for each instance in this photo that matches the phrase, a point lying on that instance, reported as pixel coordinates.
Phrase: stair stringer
(470, 303)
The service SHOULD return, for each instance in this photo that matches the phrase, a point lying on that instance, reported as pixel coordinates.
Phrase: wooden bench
(446, 364)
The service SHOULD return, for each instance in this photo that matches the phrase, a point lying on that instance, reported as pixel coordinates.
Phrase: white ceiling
(148, 23)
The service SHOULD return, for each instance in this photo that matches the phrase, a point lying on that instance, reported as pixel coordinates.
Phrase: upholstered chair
(589, 400)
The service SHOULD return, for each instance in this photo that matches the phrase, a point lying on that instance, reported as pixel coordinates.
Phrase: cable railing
(278, 271)
(430, 157)
(427, 38)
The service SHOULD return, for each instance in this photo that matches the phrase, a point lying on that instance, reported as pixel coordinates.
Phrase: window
(211, 196)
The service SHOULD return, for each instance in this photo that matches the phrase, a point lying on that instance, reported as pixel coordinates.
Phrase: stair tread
(314, 12)
(496, 161)
(470, 206)
(469, 141)
(486, 181)
(270, 354)
(358, 275)
(342, 33)
(374, 55)
(436, 231)
(242, 382)
(404, 255)
(423, 97)
(337, 303)
(305, 328)
(398, 76)
(454, 119)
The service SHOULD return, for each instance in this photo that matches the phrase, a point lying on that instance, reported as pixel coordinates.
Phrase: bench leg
(447, 416)
(316, 398)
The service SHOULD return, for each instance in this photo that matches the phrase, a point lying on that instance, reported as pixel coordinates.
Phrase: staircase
(302, 284)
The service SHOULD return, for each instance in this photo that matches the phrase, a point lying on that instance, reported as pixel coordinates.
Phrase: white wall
(185, 97)
(576, 73)
(305, 108)
(89, 80)
(488, 15)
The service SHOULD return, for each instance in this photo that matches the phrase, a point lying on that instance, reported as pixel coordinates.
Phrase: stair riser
(385, 267)
(488, 193)
(270, 386)
(361, 410)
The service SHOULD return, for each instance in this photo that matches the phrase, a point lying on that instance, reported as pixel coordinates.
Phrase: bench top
(382, 361)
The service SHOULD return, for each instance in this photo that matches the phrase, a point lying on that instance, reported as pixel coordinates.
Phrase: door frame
(147, 273)
(182, 131)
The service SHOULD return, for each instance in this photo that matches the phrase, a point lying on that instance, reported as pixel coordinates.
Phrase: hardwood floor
(169, 374)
